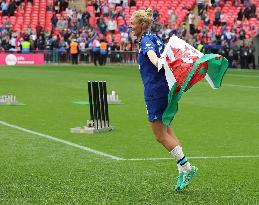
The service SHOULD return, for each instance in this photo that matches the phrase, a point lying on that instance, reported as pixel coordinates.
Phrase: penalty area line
(62, 141)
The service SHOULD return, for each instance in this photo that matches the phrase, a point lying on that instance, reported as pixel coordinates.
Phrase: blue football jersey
(155, 84)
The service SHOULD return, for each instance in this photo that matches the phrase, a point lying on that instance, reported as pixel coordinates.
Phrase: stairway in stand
(79, 4)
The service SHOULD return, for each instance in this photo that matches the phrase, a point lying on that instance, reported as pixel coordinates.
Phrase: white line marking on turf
(246, 76)
(62, 141)
(170, 158)
(234, 85)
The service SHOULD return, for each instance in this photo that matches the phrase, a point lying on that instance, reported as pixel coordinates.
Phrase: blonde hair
(144, 17)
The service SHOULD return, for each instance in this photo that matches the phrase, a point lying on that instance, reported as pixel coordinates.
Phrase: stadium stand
(30, 14)
(53, 23)
(230, 14)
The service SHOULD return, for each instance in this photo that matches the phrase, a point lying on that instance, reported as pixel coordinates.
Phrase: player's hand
(160, 63)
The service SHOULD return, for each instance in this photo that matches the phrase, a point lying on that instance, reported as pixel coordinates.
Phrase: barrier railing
(86, 56)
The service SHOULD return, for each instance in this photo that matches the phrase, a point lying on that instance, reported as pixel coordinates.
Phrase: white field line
(62, 141)
(234, 85)
(245, 76)
(112, 156)
(170, 158)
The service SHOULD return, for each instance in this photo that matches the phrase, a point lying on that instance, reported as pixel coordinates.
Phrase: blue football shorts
(155, 108)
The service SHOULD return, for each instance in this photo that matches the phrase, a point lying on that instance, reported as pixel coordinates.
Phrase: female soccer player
(156, 92)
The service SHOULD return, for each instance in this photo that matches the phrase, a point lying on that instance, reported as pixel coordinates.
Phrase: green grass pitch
(210, 123)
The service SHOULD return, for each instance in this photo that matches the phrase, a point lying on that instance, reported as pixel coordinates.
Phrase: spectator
(102, 26)
(61, 24)
(191, 19)
(124, 37)
(156, 26)
(235, 3)
(155, 14)
(97, 7)
(4, 7)
(121, 13)
(247, 12)
(63, 5)
(105, 10)
(82, 49)
(207, 5)
(251, 56)
(96, 50)
(39, 29)
(240, 15)
(5, 41)
(228, 38)
(225, 50)
(54, 21)
(172, 16)
(242, 34)
(18, 2)
(32, 44)
(132, 3)
(118, 2)
(21, 8)
(206, 19)
(246, 3)
(217, 17)
(223, 19)
(12, 41)
(29, 30)
(48, 47)
(242, 55)
(86, 16)
(123, 27)
(246, 55)
(173, 30)
(8, 25)
(55, 48)
(40, 43)
(125, 3)
(235, 49)
(80, 19)
(217, 3)
(69, 12)
(56, 6)
(74, 50)
(183, 31)
(252, 10)
(200, 6)
(25, 45)
(166, 31)
(113, 13)
(112, 3)
(115, 55)
(103, 51)
(11, 8)
(111, 25)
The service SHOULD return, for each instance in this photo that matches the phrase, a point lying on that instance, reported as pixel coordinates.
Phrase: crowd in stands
(214, 32)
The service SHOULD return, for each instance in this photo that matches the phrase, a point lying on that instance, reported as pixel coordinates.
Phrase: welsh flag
(185, 66)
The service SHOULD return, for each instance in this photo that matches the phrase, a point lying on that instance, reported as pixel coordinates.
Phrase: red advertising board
(21, 59)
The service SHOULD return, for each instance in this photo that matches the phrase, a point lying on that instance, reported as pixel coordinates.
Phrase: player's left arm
(158, 62)
(149, 48)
